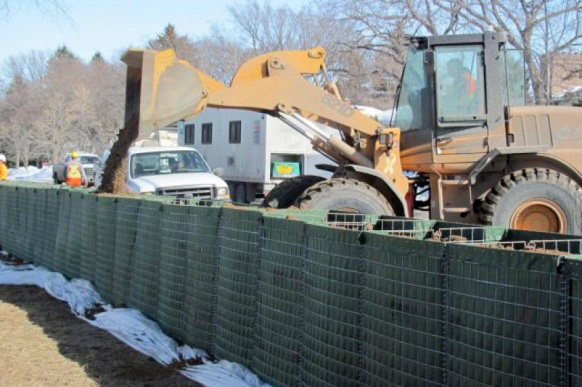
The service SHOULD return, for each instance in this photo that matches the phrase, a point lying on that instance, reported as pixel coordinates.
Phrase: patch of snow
(566, 92)
(31, 173)
(129, 326)
(384, 116)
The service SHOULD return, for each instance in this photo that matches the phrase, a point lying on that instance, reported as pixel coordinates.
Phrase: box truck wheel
(535, 199)
(286, 192)
(240, 193)
(346, 195)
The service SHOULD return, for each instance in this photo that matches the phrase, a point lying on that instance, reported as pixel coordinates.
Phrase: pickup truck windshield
(89, 159)
(165, 163)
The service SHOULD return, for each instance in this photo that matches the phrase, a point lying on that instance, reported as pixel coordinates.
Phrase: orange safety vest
(3, 172)
(471, 84)
(74, 177)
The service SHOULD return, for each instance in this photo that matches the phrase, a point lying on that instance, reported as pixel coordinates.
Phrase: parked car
(89, 161)
(173, 171)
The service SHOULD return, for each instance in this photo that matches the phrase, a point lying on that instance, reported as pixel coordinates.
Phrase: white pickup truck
(173, 171)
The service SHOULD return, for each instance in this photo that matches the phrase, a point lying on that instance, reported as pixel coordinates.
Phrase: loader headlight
(222, 193)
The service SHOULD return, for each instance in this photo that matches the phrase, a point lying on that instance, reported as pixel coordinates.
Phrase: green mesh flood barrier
(62, 238)
(126, 216)
(4, 189)
(332, 331)
(176, 226)
(402, 311)
(51, 226)
(317, 298)
(105, 246)
(38, 229)
(236, 304)
(73, 261)
(144, 287)
(280, 302)
(89, 238)
(503, 317)
(27, 205)
(202, 273)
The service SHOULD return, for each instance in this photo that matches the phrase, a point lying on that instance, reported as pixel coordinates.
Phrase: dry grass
(43, 344)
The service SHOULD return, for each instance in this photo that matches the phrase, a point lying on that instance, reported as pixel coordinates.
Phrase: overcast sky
(108, 26)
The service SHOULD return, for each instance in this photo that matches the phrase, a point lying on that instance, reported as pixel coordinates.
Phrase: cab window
(460, 83)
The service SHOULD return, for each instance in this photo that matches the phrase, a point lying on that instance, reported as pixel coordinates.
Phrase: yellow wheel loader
(460, 126)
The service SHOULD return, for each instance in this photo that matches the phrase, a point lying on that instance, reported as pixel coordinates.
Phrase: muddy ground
(43, 344)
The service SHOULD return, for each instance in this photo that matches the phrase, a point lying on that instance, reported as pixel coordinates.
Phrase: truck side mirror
(218, 171)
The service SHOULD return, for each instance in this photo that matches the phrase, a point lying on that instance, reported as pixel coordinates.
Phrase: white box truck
(255, 151)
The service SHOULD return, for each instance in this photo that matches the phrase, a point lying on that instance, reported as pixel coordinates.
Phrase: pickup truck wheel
(345, 195)
(537, 200)
(285, 193)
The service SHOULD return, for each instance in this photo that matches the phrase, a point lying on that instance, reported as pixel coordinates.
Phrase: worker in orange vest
(74, 172)
(3, 168)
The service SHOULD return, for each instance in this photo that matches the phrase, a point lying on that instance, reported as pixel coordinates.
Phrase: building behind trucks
(460, 124)
(254, 151)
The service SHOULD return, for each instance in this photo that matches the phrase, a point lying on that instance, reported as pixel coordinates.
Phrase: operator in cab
(74, 172)
(3, 168)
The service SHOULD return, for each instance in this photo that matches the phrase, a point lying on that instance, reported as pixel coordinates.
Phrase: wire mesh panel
(38, 225)
(280, 308)
(332, 330)
(237, 284)
(126, 217)
(12, 216)
(202, 272)
(402, 306)
(4, 192)
(27, 248)
(62, 241)
(17, 215)
(89, 237)
(105, 251)
(574, 323)
(176, 227)
(503, 317)
(144, 288)
(72, 264)
(51, 227)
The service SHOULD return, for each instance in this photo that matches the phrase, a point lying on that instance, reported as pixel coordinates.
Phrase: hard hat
(74, 155)
(3, 158)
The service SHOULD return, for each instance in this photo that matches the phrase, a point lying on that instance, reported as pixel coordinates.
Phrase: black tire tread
(489, 205)
(285, 193)
(327, 186)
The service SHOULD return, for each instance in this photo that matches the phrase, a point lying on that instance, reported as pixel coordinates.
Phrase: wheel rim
(539, 215)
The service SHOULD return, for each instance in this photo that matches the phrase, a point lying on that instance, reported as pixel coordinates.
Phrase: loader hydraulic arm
(275, 83)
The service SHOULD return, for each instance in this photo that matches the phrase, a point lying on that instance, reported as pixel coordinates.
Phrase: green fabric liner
(236, 304)
(402, 311)
(89, 238)
(176, 228)
(201, 272)
(144, 287)
(279, 318)
(106, 208)
(73, 259)
(126, 213)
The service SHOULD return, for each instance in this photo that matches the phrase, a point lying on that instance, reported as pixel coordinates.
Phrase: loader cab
(454, 99)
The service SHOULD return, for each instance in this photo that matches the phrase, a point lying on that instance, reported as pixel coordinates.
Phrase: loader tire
(345, 195)
(285, 193)
(536, 199)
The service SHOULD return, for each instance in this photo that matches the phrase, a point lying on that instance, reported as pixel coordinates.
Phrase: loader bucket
(161, 89)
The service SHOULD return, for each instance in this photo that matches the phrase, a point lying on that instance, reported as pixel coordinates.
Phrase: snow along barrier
(312, 298)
